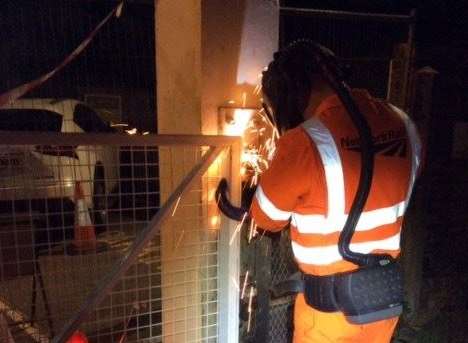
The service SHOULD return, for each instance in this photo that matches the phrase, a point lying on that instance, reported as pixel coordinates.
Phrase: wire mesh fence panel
(364, 41)
(71, 214)
(281, 310)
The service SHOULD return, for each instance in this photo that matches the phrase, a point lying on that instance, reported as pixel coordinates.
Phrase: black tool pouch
(371, 293)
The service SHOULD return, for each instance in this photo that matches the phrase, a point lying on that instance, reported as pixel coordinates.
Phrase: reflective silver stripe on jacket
(269, 208)
(336, 216)
(416, 148)
(331, 161)
(319, 224)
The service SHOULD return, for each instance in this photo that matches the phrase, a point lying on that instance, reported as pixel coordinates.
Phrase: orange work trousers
(312, 326)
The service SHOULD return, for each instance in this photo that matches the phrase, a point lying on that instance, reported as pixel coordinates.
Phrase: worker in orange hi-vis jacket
(313, 178)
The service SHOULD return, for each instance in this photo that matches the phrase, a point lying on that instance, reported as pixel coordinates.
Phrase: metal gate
(136, 252)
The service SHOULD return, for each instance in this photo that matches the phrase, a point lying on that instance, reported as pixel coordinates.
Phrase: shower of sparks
(234, 281)
(263, 234)
(179, 240)
(244, 286)
(214, 221)
(134, 310)
(256, 159)
(249, 310)
(257, 89)
(211, 195)
(254, 180)
(253, 159)
(270, 147)
(238, 228)
(252, 230)
(240, 121)
(175, 207)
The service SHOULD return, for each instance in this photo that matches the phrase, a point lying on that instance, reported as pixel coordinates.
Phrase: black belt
(319, 291)
(366, 295)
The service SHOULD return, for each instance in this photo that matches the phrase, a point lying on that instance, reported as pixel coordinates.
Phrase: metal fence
(364, 41)
(163, 265)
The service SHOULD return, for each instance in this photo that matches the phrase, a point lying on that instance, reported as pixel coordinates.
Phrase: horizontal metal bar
(143, 238)
(365, 59)
(116, 139)
(319, 13)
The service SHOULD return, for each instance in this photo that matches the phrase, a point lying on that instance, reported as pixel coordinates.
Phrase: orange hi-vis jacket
(313, 178)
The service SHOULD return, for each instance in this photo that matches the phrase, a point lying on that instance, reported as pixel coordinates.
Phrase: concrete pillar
(178, 66)
(208, 53)
(178, 75)
(239, 39)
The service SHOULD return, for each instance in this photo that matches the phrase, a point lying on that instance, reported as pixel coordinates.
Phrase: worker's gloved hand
(225, 206)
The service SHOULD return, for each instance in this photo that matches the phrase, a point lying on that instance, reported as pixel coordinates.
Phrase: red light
(78, 337)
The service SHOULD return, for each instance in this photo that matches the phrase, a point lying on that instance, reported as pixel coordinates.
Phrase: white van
(50, 172)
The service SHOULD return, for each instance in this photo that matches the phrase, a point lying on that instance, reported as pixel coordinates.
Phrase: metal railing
(333, 14)
(164, 264)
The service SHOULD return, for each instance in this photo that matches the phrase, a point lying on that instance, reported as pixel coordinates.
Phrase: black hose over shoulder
(332, 75)
(336, 78)
(225, 206)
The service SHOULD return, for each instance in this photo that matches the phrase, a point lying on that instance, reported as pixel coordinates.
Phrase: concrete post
(178, 75)
(208, 53)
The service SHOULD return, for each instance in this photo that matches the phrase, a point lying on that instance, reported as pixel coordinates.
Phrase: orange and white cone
(84, 233)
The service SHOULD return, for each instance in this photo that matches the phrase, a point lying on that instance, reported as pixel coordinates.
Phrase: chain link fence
(364, 41)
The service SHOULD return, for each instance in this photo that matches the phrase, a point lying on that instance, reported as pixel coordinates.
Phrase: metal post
(229, 254)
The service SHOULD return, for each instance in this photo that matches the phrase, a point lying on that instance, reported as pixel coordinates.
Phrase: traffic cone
(78, 337)
(84, 237)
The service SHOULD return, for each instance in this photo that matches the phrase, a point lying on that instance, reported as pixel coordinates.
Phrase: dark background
(37, 35)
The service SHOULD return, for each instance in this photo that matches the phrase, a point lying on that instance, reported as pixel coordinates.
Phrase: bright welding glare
(214, 221)
(240, 120)
(251, 123)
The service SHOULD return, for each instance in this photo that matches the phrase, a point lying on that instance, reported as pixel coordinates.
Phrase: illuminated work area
(255, 171)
